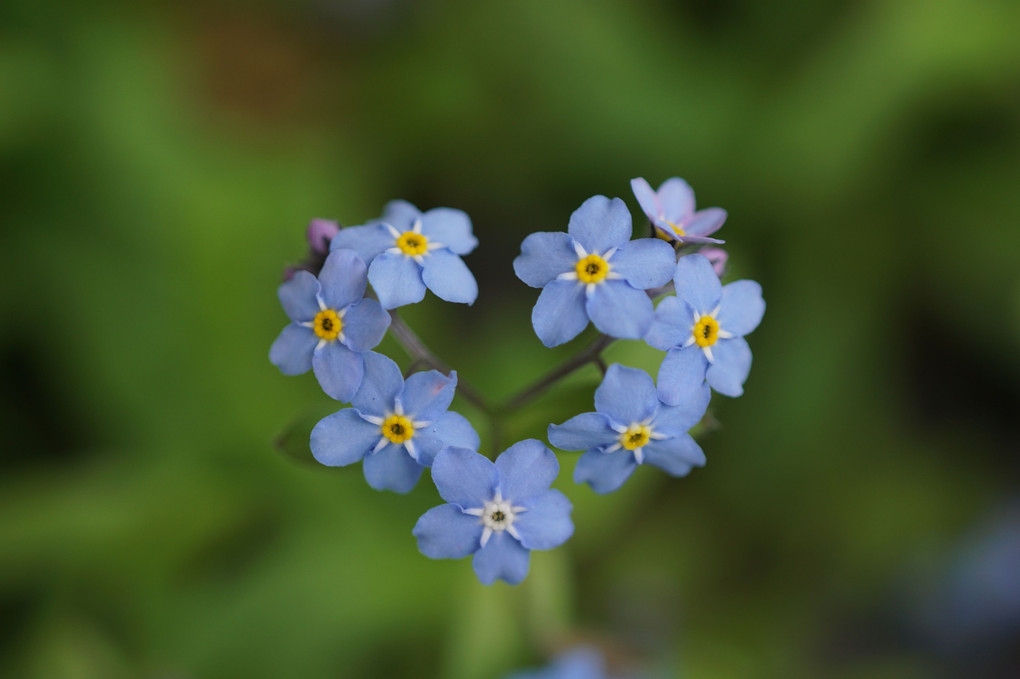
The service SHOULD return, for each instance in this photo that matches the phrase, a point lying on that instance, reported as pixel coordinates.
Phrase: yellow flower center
(636, 436)
(411, 243)
(706, 331)
(327, 324)
(680, 232)
(592, 269)
(397, 428)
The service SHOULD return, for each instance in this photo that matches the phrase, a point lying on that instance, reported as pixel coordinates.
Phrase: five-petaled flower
(671, 212)
(332, 325)
(407, 251)
(703, 329)
(594, 271)
(496, 511)
(396, 427)
(630, 427)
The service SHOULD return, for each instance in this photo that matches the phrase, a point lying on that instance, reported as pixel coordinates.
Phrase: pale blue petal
(604, 472)
(701, 240)
(600, 224)
(705, 222)
(741, 308)
(546, 524)
(451, 429)
(464, 477)
(445, 532)
(292, 350)
(673, 324)
(400, 215)
(368, 241)
(396, 279)
(675, 456)
(626, 395)
(697, 284)
(379, 387)
(446, 275)
(450, 227)
(298, 297)
(619, 310)
(365, 324)
(676, 198)
(339, 370)
(343, 438)
(343, 278)
(730, 366)
(392, 469)
(582, 432)
(502, 558)
(646, 197)
(645, 263)
(677, 419)
(681, 375)
(544, 256)
(560, 314)
(526, 469)
(428, 394)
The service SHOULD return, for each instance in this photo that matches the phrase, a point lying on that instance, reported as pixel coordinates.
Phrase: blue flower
(671, 212)
(396, 427)
(630, 427)
(577, 663)
(594, 271)
(332, 325)
(407, 251)
(703, 330)
(497, 511)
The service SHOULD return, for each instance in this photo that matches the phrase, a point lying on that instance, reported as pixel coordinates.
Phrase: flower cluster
(398, 425)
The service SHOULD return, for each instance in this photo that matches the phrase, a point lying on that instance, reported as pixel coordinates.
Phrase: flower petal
(600, 224)
(292, 350)
(676, 455)
(392, 469)
(298, 297)
(396, 279)
(343, 438)
(645, 262)
(560, 313)
(379, 386)
(400, 215)
(604, 472)
(526, 469)
(730, 366)
(697, 240)
(547, 523)
(464, 477)
(339, 370)
(681, 375)
(677, 199)
(451, 429)
(673, 324)
(445, 532)
(697, 284)
(674, 420)
(741, 308)
(365, 324)
(626, 395)
(450, 227)
(646, 197)
(446, 274)
(582, 432)
(502, 558)
(368, 241)
(427, 395)
(343, 278)
(705, 222)
(619, 310)
(544, 256)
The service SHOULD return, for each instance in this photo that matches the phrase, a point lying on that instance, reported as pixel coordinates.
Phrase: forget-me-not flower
(332, 325)
(396, 427)
(497, 511)
(630, 427)
(671, 212)
(407, 251)
(594, 271)
(703, 329)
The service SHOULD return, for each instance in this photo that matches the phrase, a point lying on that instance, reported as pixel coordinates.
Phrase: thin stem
(591, 354)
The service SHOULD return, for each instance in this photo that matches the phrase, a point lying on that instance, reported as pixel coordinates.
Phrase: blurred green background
(858, 516)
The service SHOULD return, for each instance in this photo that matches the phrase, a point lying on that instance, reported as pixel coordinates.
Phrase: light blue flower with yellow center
(593, 272)
(332, 325)
(408, 251)
(671, 212)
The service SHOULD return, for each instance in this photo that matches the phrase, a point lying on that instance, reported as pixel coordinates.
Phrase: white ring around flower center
(496, 515)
